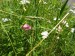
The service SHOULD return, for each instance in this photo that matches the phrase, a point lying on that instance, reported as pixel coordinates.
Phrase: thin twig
(35, 47)
(59, 23)
(48, 34)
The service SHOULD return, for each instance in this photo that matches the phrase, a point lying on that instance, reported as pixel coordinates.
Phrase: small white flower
(55, 19)
(73, 7)
(64, 22)
(72, 30)
(59, 29)
(44, 37)
(73, 11)
(44, 2)
(49, 21)
(5, 19)
(67, 25)
(40, 1)
(44, 34)
(24, 2)
(58, 18)
(57, 37)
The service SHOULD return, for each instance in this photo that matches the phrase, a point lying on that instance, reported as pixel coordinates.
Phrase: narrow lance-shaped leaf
(63, 7)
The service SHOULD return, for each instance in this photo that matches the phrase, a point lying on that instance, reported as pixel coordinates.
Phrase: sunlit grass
(52, 16)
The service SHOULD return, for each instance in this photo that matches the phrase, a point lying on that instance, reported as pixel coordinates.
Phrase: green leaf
(63, 7)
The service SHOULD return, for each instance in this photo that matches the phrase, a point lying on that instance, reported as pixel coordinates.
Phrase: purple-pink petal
(26, 27)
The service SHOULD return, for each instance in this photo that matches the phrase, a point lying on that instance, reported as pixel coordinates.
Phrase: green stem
(8, 38)
(34, 47)
(36, 8)
(48, 34)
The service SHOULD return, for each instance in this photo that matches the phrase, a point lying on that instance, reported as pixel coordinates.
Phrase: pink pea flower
(26, 27)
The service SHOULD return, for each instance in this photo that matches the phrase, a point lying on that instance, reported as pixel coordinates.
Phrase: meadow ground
(37, 28)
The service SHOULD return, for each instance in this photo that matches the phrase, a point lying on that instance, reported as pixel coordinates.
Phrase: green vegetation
(36, 28)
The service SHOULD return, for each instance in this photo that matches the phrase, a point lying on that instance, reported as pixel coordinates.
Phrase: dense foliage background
(41, 15)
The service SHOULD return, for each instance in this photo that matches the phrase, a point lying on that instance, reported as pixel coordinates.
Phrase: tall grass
(40, 15)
